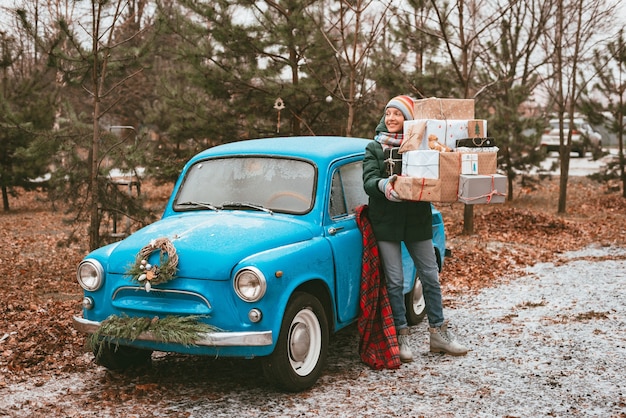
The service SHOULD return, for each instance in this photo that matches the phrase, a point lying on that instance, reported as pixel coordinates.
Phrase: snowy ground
(551, 343)
(579, 166)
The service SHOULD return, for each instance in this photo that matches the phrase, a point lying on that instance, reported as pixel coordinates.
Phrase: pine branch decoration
(183, 330)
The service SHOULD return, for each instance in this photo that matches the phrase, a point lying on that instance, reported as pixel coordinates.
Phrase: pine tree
(25, 117)
(511, 72)
(610, 67)
(92, 75)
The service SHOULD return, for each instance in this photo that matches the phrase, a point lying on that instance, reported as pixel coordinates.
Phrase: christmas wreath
(147, 274)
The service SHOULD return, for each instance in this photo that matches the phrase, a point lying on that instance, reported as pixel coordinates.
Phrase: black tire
(415, 304)
(120, 357)
(302, 347)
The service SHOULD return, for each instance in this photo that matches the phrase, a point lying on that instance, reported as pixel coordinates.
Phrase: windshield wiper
(199, 204)
(247, 205)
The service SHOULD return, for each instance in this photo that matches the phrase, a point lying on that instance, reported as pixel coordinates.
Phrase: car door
(344, 236)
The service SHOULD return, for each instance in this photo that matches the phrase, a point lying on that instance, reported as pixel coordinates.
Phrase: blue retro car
(259, 244)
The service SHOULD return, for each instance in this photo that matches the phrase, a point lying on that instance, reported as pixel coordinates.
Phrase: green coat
(392, 221)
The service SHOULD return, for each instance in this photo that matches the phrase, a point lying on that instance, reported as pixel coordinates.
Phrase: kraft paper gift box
(414, 131)
(418, 132)
(443, 190)
(439, 108)
(487, 161)
(418, 189)
(476, 128)
(481, 189)
(421, 163)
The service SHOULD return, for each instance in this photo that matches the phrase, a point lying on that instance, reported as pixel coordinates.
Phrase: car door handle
(332, 230)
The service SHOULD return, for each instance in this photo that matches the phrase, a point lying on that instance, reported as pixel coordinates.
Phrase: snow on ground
(550, 343)
(579, 167)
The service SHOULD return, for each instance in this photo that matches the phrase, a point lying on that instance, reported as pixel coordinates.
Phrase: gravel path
(551, 343)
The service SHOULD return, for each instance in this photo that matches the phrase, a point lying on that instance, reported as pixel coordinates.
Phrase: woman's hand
(386, 187)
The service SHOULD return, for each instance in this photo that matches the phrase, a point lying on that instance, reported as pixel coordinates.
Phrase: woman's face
(394, 120)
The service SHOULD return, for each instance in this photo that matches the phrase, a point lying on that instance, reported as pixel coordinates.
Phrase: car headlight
(90, 274)
(250, 284)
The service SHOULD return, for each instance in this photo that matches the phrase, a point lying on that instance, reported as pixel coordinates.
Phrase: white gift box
(469, 163)
(421, 163)
(447, 132)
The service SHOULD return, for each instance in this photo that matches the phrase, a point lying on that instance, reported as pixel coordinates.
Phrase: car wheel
(120, 357)
(415, 304)
(300, 354)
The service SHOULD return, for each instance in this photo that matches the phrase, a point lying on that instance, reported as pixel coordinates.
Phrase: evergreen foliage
(185, 75)
(25, 140)
(170, 329)
(509, 75)
(610, 66)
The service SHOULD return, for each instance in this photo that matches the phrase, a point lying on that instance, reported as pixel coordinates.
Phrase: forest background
(97, 87)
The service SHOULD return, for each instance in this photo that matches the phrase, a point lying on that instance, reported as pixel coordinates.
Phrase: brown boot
(442, 341)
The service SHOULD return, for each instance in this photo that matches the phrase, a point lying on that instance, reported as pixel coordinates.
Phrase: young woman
(395, 221)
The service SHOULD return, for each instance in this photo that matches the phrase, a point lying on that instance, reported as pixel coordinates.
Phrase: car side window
(337, 198)
(347, 191)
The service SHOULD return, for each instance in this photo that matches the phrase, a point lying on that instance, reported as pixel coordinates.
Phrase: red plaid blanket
(378, 344)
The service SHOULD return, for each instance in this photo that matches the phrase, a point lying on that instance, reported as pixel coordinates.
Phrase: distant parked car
(584, 137)
(258, 241)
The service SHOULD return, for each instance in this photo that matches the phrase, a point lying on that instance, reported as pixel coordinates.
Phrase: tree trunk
(620, 156)
(94, 219)
(468, 220)
(621, 167)
(350, 120)
(94, 216)
(5, 198)
(564, 152)
(296, 123)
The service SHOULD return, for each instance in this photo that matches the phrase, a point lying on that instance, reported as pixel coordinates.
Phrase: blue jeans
(423, 255)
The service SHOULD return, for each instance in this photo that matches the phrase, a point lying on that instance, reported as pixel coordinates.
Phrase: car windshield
(252, 183)
(578, 124)
(555, 125)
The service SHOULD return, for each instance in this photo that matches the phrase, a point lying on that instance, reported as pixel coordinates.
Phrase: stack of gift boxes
(446, 155)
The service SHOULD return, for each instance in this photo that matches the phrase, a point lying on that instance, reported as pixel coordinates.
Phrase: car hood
(210, 244)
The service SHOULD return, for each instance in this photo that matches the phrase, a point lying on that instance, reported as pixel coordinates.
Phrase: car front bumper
(210, 339)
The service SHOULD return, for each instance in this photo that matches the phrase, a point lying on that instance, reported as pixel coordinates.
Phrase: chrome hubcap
(300, 342)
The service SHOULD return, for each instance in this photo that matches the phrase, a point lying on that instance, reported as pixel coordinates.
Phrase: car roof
(316, 148)
(566, 120)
